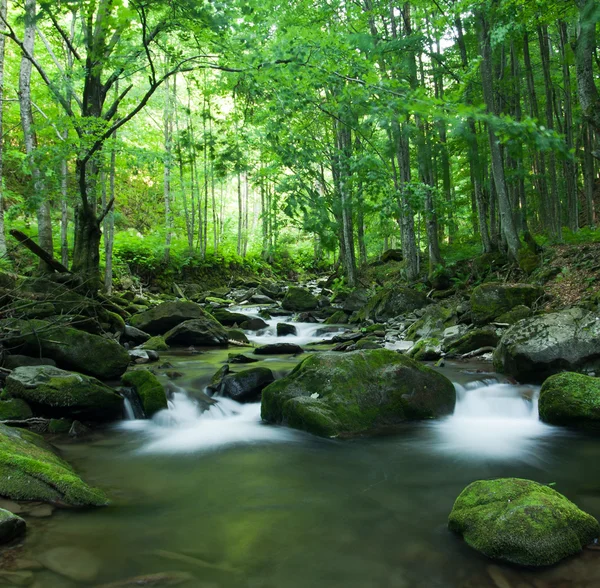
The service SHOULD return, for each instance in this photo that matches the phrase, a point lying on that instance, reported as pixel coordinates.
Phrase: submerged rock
(71, 349)
(521, 522)
(491, 300)
(11, 526)
(165, 316)
(361, 392)
(72, 562)
(204, 332)
(247, 385)
(571, 399)
(279, 348)
(538, 347)
(299, 299)
(254, 324)
(30, 470)
(149, 389)
(51, 392)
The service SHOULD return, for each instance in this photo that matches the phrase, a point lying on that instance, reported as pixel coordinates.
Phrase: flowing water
(236, 503)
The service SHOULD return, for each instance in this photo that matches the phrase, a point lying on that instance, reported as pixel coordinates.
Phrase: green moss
(426, 350)
(299, 299)
(432, 324)
(11, 526)
(521, 522)
(339, 317)
(491, 300)
(356, 393)
(475, 339)
(156, 343)
(528, 260)
(29, 470)
(571, 399)
(391, 302)
(149, 389)
(14, 409)
(518, 313)
(59, 426)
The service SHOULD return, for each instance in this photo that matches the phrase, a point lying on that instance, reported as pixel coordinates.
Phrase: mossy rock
(432, 324)
(149, 389)
(30, 470)
(14, 361)
(426, 350)
(299, 299)
(229, 319)
(391, 302)
(521, 522)
(204, 332)
(246, 385)
(475, 339)
(59, 426)
(70, 348)
(571, 399)
(53, 392)
(518, 313)
(14, 409)
(11, 526)
(166, 316)
(156, 343)
(237, 335)
(357, 393)
(528, 260)
(491, 300)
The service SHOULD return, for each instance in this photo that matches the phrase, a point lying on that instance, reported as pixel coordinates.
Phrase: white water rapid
(493, 421)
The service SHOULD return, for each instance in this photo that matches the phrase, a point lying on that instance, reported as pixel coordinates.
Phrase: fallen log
(37, 250)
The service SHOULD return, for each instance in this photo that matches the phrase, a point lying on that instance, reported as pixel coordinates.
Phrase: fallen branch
(37, 250)
(477, 352)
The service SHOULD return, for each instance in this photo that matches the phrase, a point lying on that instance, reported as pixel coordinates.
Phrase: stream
(230, 502)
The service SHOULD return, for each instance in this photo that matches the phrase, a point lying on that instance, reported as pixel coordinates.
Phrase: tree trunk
(2, 52)
(588, 173)
(168, 164)
(30, 135)
(507, 224)
(240, 213)
(109, 221)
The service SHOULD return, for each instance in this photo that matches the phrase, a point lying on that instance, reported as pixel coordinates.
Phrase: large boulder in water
(247, 385)
(489, 301)
(392, 302)
(299, 299)
(571, 399)
(30, 470)
(521, 522)
(149, 389)
(205, 332)
(165, 316)
(357, 393)
(538, 347)
(228, 318)
(71, 349)
(53, 392)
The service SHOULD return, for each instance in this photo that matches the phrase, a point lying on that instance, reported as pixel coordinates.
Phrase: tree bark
(168, 163)
(2, 52)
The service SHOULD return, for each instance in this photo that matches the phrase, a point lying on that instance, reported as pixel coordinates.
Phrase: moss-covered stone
(518, 313)
(428, 349)
(11, 526)
(521, 522)
(156, 343)
(475, 339)
(237, 335)
(432, 324)
(299, 299)
(360, 392)
(59, 426)
(391, 302)
(528, 260)
(228, 318)
(489, 301)
(246, 385)
(30, 470)
(166, 316)
(149, 389)
(70, 348)
(14, 409)
(52, 392)
(204, 332)
(571, 399)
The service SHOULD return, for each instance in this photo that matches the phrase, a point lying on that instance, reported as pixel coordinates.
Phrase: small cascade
(493, 421)
(132, 404)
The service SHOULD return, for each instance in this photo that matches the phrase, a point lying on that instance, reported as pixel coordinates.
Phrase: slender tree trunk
(2, 52)
(588, 173)
(109, 219)
(168, 163)
(64, 212)
(240, 213)
(30, 135)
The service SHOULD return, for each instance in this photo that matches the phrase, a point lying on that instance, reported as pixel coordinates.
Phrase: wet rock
(166, 316)
(156, 344)
(59, 426)
(72, 562)
(78, 430)
(134, 336)
(12, 362)
(355, 301)
(228, 318)
(392, 302)
(362, 392)
(42, 511)
(345, 337)
(215, 383)
(475, 339)
(279, 349)
(261, 299)
(71, 349)
(339, 317)
(254, 324)
(521, 522)
(23, 455)
(237, 335)
(515, 315)
(538, 347)
(571, 399)
(428, 349)
(453, 334)
(149, 389)
(54, 392)
(433, 323)
(17, 578)
(489, 301)
(241, 358)
(11, 526)
(205, 332)
(247, 385)
(285, 329)
(140, 356)
(14, 409)
(306, 317)
(299, 299)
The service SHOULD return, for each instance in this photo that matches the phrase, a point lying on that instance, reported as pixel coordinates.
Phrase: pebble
(72, 562)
